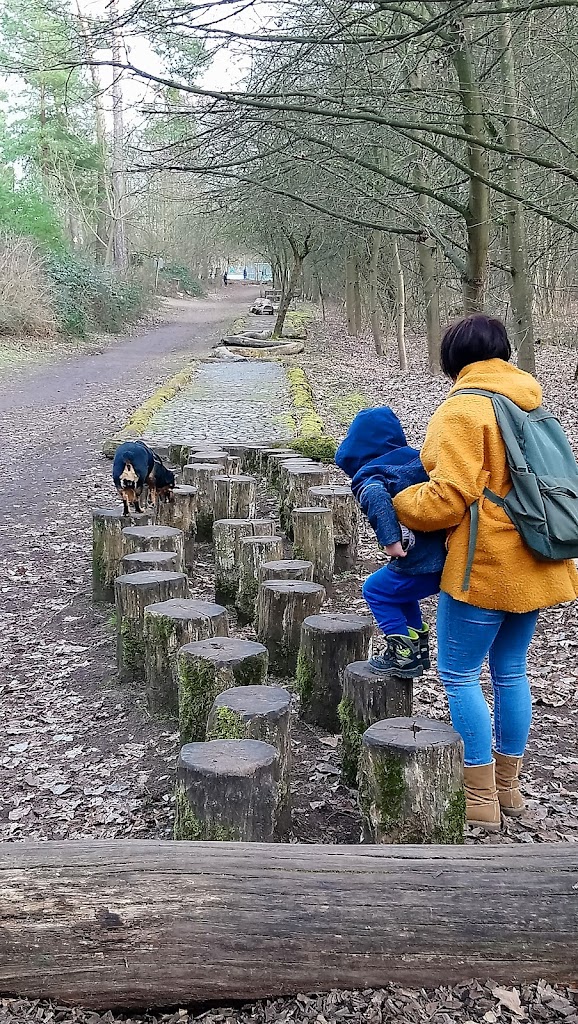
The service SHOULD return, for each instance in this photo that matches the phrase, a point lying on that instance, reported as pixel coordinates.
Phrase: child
(376, 456)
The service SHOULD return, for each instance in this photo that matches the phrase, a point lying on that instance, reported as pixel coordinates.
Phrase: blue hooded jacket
(377, 457)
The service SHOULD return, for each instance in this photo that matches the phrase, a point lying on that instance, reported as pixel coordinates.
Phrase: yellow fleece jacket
(463, 453)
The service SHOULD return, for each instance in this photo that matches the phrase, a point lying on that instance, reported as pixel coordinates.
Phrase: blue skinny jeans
(467, 634)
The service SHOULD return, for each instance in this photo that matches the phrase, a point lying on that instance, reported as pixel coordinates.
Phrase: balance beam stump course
(368, 697)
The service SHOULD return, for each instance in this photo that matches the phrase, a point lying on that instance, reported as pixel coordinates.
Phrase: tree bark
(399, 280)
(374, 305)
(227, 534)
(282, 607)
(208, 667)
(107, 547)
(350, 295)
(133, 593)
(119, 236)
(368, 697)
(426, 249)
(181, 513)
(154, 538)
(254, 551)
(329, 643)
(314, 542)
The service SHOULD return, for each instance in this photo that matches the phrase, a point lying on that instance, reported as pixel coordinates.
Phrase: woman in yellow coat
(494, 612)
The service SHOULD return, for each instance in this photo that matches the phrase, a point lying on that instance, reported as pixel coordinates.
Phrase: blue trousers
(466, 635)
(394, 598)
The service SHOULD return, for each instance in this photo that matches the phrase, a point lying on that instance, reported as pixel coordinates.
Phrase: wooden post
(300, 479)
(181, 513)
(284, 477)
(208, 667)
(329, 643)
(200, 475)
(368, 697)
(411, 782)
(282, 606)
(150, 561)
(345, 520)
(313, 540)
(154, 538)
(227, 534)
(258, 713)
(133, 592)
(228, 790)
(234, 497)
(274, 461)
(253, 551)
(167, 627)
(233, 465)
(107, 527)
(250, 458)
(286, 569)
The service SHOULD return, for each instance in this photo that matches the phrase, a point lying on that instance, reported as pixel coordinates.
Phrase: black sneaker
(401, 658)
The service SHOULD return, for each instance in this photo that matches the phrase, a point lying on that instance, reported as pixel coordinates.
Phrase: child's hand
(396, 550)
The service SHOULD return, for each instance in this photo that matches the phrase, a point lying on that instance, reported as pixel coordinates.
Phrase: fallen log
(139, 923)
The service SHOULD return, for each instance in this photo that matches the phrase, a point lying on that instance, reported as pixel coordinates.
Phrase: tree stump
(368, 697)
(258, 713)
(167, 627)
(286, 503)
(151, 561)
(227, 534)
(329, 643)
(253, 552)
(250, 459)
(181, 513)
(200, 475)
(274, 462)
(345, 520)
(177, 454)
(313, 540)
(107, 548)
(228, 790)
(286, 569)
(411, 782)
(282, 607)
(208, 667)
(299, 480)
(154, 538)
(233, 465)
(234, 497)
(134, 592)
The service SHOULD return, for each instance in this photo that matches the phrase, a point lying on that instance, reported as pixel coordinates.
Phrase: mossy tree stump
(107, 547)
(282, 607)
(228, 790)
(234, 496)
(286, 569)
(181, 513)
(345, 520)
(253, 552)
(313, 541)
(151, 561)
(299, 479)
(206, 668)
(133, 593)
(368, 697)
(274, 462)
(329, 643)
(411, 782)
(251, 457)
(200, 475)
(227, 536)
(154, 538)
(167, 627)
(284, 476)
(258, 713)
(233, 465)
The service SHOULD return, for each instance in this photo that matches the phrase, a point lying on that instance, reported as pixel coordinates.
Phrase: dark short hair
(472, 339)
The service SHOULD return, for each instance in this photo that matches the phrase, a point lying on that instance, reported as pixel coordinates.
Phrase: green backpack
(543, 500)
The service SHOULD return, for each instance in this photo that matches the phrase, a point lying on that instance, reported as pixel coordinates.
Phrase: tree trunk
(426, 249)
(119, 237)
(350, 295)
(133, 593)
(356, 296)
(520, 286)
(287, 295)
(374, 308)
(399, 280)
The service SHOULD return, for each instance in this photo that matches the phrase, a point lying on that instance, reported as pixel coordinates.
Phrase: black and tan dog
(135, 464)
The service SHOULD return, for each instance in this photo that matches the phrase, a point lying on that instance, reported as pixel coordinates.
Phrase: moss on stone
(197, 692)
(352, 729)
(304, 678)
(189, 827)
(227, 725)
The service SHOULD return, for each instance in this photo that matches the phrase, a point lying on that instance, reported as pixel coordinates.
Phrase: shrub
(89, 296)
(26, 299)
(176, 272)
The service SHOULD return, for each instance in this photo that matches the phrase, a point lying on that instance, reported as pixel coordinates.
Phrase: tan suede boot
(482, 805)
(507, 783)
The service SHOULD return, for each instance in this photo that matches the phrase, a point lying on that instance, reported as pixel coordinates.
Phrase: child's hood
(373, 434)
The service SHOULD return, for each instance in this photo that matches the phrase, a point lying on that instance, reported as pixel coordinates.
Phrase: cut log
(177, 453)
(345, 520)
(274, 463)
(228, 790)
(200, 475)
(181, 513)
(150, 561)
(262, 460)
(282, 607)
(107, 549)
(208, 667)
(250, 459)
(154, 538)
(253, 552)
(234, 496)
(227, 534)
(313, 541)
(299, 478)
(258, 713)
(329, 643)
(133, 592)
(368, 697)
(233, 465)
(286, 569)
(167, 627)
(411, 782)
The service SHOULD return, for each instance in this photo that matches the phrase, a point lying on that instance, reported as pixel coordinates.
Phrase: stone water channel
(242, 402)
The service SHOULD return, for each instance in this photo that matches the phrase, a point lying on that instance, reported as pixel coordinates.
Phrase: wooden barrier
(139, 923)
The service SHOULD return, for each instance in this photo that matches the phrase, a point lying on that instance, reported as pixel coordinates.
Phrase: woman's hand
(395, 550)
